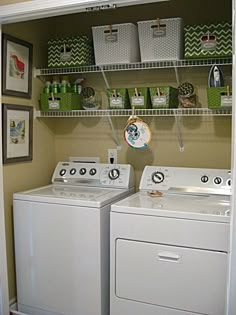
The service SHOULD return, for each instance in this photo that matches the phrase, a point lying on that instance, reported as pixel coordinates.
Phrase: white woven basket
(161, 39)
(115, 44)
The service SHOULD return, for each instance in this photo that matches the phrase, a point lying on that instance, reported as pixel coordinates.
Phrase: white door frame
(231, 305)
(4, 295)
(44, 8)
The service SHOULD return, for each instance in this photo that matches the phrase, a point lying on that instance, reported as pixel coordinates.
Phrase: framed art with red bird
(17, 67)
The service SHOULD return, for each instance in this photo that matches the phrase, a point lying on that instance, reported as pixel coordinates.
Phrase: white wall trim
(4, 295)
(36, 9)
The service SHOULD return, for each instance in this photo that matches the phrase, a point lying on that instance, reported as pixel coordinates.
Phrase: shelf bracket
(176, 72)
(179, 133)
(114, 132)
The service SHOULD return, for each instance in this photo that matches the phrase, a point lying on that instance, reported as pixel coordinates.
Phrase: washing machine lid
(186, 206)
(74, 195)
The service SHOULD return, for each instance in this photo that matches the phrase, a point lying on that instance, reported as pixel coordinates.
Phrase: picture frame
(17, 131)
(16, 67)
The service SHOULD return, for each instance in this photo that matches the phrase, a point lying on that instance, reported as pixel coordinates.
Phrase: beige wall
(5, 2)
(25, 175)
(207, 140)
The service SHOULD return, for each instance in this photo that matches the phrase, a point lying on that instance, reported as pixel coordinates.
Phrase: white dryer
(169, 244)
(62, 239)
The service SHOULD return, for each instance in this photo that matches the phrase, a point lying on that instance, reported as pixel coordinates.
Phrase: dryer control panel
(94, 174)
(216, 181)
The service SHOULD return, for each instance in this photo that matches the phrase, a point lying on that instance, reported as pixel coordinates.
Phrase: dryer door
(181, 278)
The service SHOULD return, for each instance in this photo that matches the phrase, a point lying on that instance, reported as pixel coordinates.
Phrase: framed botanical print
(17, 133)
(16, 67)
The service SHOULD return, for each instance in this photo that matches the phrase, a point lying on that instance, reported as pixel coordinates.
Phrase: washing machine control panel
(94, 174)
(186, 179)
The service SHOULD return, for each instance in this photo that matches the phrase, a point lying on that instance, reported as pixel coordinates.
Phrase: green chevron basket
(70, 51)
(208, 41)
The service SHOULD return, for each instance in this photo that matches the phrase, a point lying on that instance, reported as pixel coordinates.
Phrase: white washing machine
(62, 239)
(169, 244)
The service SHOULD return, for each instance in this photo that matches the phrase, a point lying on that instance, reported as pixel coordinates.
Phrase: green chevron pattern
(70, 51)
(193, 44)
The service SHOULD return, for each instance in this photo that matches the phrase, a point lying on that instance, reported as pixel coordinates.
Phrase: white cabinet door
(180, 278)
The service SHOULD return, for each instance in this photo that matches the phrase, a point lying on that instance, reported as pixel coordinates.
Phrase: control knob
(114, 174)
(72, 171)
(217, 180)
(158, 177)
(62, 172)
(82, 171)
(204, 179)
(93, 171)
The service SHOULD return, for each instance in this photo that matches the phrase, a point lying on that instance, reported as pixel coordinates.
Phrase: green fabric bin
(208, 40)
(142, 101)
(70, 51)
(61, 102)
(218, 98)
(164, 97)
(118, 98)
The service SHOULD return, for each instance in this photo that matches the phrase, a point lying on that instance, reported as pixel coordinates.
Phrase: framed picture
(16, 67)
(17, 133)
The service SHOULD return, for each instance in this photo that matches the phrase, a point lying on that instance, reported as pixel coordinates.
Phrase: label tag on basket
(208, 42)
(116, 101)
(159, 32)
(137, 101)
(54, 104)
(111, 38)
(225, 100)
(159, 100)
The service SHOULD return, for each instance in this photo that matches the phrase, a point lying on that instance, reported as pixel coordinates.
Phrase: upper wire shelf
(135, 66)
(138, 112)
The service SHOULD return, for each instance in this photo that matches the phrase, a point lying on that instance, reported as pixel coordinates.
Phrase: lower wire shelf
(138, 112)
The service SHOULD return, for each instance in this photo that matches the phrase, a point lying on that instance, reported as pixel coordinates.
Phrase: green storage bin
(208, 40)
(218, 98)
(164, 97)
(70, 51)
(118, 98)
(62, 102)
(142, 101)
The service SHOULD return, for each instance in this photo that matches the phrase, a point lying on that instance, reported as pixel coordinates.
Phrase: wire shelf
(138, 112)
(135, 66)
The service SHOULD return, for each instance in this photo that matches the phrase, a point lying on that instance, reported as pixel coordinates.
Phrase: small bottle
(55, 85)
(65, 84)
(47, 88)
(75, 88)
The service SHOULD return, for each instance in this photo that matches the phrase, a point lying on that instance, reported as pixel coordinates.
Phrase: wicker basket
(116, 44)
(161, 39)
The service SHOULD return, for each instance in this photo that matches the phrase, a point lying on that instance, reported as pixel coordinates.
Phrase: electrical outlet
(112, 156)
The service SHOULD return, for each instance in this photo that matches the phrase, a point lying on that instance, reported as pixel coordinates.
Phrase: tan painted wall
(207, 140)
(5, 2)
(25, 175)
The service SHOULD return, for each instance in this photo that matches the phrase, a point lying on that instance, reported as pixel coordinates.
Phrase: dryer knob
(114, 174)
(158, 177)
